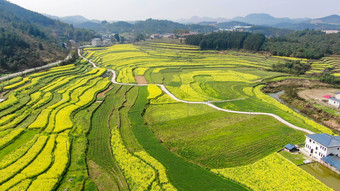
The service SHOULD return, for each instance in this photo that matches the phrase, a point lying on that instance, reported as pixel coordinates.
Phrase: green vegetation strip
(99, 142)
(183, 175)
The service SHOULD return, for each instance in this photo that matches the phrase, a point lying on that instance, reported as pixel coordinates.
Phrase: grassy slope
(184, 175)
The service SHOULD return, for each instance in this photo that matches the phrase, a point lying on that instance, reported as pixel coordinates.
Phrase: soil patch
(2, 95)
(102, 94)
(316, 94)
(141, 80)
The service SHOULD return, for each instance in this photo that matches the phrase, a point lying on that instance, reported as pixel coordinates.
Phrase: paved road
(113, 80)
(34, 69)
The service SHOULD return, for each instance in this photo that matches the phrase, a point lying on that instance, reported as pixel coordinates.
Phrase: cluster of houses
(238, 29)
(100, 42)
(333, 100)
(171, 35)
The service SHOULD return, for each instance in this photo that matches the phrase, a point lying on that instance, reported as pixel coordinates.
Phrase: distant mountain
(29, 39)
(266, 19)
(331, 20)
(75, 20)
(197, 20)
(147, 27)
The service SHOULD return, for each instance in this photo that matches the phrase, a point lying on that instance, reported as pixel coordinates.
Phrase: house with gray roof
(334, 102)
(322, 145)
(325, 148)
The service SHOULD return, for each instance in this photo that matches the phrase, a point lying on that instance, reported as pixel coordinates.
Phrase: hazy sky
(176, 9)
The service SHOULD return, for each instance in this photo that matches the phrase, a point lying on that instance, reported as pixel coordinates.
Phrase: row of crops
(37, 124)
(69, 128)
(331, 63)
(197, 133)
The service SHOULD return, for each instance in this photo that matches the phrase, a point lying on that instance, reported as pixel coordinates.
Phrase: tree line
(302, 44)
(227, 40)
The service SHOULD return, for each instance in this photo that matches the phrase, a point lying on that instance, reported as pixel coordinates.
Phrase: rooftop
(334, 99)
(326, 139)
(333, 161)
(290, 146)
(327, 96)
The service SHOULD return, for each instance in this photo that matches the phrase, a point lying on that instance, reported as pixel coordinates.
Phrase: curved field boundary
(164, 89)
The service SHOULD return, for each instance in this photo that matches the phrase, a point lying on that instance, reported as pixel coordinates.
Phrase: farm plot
(199, 134)
(217, 139)
(272, 173)
(183, 175)
(36, 120)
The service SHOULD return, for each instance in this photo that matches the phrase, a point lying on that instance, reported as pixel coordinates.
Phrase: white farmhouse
(334, 102)
(326, 149)
(322, 145)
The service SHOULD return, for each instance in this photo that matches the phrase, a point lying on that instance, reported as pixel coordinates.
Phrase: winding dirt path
(113, 80)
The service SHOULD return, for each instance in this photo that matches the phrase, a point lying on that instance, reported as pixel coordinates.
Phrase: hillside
(149, 26)
(29, 39)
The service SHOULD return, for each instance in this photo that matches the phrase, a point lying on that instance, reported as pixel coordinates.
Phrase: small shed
(290, 148)
(327, 96)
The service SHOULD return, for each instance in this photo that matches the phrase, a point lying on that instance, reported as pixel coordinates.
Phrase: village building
(324, 148)
(107, 42)
(334, 102)
(322, 145)
(168, 35)
(96, 42)
(290, 148)
(154, 36)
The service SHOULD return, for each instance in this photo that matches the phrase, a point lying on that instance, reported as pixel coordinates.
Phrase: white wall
(319, 151)
(334, 103)
(334, 151)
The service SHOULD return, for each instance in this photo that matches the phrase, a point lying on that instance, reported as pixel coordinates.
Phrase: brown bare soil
(2, 95)
(316, 94)
(141, 80)
(102, 94)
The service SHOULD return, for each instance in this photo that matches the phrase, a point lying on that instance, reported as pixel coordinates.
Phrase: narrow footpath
(113, 80)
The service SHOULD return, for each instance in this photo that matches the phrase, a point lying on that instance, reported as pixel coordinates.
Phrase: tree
(203, 45)
(327, 78)
(140, 37)
(117, 37)
(179, 32)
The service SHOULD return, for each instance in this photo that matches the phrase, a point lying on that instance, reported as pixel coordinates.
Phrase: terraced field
(331, 63)
(70, 128)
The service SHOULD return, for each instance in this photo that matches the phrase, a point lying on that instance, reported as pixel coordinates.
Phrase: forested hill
(29, 39)
(147, 27)
(302, 44)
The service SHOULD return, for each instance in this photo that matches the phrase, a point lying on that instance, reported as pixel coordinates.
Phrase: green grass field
(217, 139)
